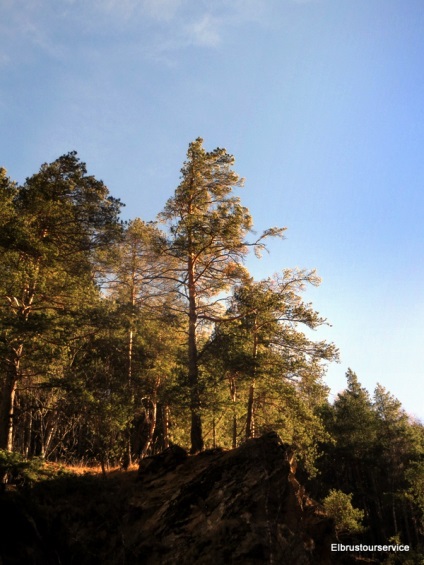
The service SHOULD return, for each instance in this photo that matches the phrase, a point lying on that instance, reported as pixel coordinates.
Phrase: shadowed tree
(52, 227)
(135, 277)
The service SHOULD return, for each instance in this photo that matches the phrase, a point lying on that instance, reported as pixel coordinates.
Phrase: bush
(338, 506)
(16, 470)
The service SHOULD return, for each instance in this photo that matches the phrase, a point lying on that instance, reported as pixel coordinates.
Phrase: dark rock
(242, 506)
(166, 461)
(238, 507)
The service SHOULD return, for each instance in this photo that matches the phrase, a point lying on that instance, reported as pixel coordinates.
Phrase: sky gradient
(320, 101)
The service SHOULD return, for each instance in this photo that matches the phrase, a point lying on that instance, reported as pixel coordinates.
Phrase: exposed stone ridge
(243, 506)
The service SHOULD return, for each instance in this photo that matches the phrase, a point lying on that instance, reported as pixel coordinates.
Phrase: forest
(119, 339)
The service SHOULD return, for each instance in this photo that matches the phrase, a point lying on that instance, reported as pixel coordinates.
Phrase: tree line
(117, 338)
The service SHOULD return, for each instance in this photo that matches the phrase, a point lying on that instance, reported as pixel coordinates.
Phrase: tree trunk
(103, 465)
(8, 401)
(395, 524)
(27, 434)
(406, 521)
(196, 434)
(127, 458)
(250, 421)
(165, 424)
(233, 392)
(47, 436)
(213, 431)
(410, 512)
(152, 427)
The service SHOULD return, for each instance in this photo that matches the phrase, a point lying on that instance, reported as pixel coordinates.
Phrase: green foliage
(414, 475)
(264, 347)
(16, 470)
(338, 506)
(53, 226)
(355, 421)
(411, 557)
(376, 455)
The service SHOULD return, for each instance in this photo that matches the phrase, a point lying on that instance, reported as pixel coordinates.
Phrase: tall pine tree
(207, 231)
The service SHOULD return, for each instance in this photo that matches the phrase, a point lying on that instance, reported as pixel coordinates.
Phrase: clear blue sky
(320, 101)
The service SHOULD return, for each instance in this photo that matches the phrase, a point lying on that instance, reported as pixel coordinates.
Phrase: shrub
(16, 470)
(338, 506)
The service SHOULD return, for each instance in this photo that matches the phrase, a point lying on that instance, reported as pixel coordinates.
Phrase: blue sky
(320, 101)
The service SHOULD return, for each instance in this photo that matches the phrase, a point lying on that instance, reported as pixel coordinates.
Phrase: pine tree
(53, 227)
(207, 230)
(270, 364)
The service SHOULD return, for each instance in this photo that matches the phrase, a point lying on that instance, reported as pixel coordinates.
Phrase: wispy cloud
(4, 59)
(157, 29)
(183, 23)
(127, 10)
(206, 31)
(205, 25)
(28, 28)
(162, 10)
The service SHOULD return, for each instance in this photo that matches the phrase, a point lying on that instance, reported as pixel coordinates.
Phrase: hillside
(242, 506)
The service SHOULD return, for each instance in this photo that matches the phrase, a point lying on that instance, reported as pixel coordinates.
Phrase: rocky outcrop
(241, 506)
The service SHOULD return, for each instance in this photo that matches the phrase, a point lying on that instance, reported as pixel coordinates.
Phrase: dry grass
(90, 469)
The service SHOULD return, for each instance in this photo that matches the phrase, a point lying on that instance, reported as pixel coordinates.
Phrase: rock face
(243, 506)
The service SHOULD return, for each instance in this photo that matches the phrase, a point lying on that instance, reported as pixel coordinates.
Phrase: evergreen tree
(207, 230)
(270, 364)
(53, 226)
(134, 277)
(376, 455)
(400, 448)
